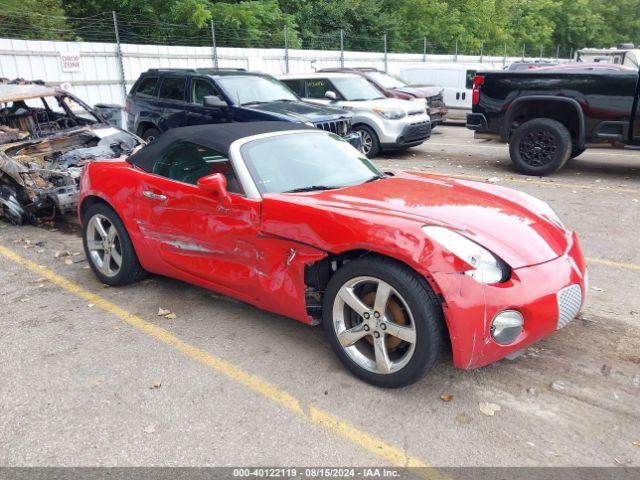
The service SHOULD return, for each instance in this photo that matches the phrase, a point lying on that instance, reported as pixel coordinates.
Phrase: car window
(147, 86)
(470, 76)
(187, 162)
(255, 89)
(386, 80)
(297, 86)
(172, 88)
(355, 89)
(317, 87)
(201, 89)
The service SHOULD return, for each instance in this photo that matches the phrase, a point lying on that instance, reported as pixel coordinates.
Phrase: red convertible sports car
(294, 220)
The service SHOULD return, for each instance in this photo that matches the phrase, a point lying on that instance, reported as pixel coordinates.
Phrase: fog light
(507, 326)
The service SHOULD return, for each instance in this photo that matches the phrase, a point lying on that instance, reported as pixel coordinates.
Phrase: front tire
(540, 146)
(151, 135)
(370, 142)
(383, 321)
(108, 247)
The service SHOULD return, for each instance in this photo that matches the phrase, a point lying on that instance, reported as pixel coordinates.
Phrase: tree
(534, 24)
(33, 19)
(472, 24)
(256, 23)
(319, 22)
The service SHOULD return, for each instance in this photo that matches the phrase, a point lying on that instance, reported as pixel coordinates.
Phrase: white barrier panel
(91, 69)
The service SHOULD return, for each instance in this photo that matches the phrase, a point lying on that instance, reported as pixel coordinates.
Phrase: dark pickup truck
(552, 114)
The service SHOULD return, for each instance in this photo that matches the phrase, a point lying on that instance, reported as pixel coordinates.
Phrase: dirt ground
(86, 384)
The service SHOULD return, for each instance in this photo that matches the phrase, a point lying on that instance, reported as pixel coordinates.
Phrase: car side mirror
(216, 185)
(331, 95)
(213, 101)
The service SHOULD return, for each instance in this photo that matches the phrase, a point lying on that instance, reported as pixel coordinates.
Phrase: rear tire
(108, 247)
(151, 135)
(410, 329)
(370, 142)
(540, 146)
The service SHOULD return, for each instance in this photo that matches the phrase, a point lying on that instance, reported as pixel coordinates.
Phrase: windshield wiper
(256, 102)
(375, 177)
(312, 188)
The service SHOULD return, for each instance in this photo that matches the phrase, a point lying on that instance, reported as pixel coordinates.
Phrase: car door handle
(154, 196)
(457, 95)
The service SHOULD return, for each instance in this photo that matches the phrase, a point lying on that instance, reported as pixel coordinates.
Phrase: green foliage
(256, 22)
(33, 19)
(490, 25)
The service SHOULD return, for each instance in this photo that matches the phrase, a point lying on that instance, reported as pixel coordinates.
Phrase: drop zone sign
(70, 62)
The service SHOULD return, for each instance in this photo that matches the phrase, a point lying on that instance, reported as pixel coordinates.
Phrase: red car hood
(497, 218)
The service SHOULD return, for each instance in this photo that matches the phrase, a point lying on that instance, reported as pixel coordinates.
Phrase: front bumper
(393, 134)
(539, 292)
(438, 115)
(413, 132)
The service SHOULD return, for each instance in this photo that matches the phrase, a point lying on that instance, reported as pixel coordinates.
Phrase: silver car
(385, 124)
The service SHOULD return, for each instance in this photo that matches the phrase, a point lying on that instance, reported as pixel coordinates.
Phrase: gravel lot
(86, 383)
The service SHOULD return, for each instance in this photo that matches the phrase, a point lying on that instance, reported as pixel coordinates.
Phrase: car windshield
(250, 89)
(386, 80)
(356, 88)
(39, 117)
(306, 161)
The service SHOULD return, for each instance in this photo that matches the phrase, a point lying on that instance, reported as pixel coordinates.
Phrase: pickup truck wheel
(383, 321)
(540, 146)
(150, 134)
(370, 142)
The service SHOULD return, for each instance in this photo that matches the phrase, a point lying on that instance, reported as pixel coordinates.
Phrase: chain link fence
(140, 29)
(113, 49)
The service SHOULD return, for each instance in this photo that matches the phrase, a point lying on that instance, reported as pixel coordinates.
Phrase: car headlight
(486, 267)
(390, 114)
(543, 208)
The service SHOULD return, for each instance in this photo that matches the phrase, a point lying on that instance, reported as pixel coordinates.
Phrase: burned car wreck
(46, 137)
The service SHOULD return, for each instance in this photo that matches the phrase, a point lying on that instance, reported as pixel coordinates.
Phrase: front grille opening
(569, 304)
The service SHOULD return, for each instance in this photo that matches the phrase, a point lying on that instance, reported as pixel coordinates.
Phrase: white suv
(383, 123)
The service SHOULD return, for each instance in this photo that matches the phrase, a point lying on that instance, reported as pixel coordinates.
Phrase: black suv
(168, 98)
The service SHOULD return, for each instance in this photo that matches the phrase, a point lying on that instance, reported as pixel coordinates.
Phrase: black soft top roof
(218, 137)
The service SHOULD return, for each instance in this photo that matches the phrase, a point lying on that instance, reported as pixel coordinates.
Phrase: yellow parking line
(391, 454)
(609, 263)
(504, 146)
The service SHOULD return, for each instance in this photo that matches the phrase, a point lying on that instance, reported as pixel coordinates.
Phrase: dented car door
(224, 248)
(192, 230)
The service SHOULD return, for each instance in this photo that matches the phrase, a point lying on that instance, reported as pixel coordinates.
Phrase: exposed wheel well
(144, 126)
(90, 201)
(362, 124)
(563, 112)
(318, 274)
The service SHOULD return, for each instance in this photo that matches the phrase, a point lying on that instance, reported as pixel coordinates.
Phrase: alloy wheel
(103, 243)
(374, 325)
(538, 148)
(367, 141)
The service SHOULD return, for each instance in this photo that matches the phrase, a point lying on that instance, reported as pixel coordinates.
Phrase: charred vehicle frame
(46, 137)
